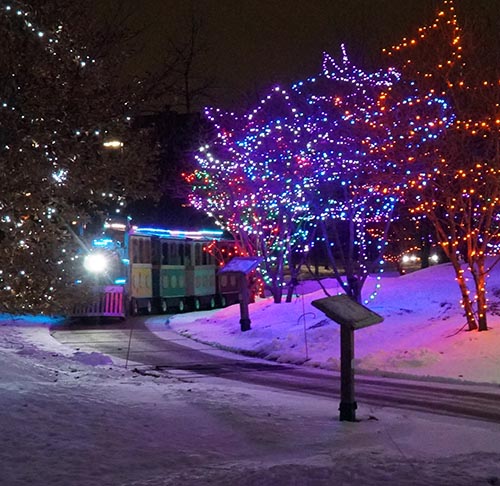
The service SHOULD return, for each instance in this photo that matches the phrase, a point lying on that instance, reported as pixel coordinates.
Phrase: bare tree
(190, 83)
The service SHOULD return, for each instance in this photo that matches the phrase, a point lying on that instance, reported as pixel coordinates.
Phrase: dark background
(253, 44)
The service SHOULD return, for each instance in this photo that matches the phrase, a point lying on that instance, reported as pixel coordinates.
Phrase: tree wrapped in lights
(261, 181)
(359, 175)
(61, 99)
(352, 209)
(456, 186)
(305, 156)
(317, 160)
(254, 179)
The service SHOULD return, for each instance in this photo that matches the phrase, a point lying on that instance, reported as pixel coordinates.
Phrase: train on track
(152, 270)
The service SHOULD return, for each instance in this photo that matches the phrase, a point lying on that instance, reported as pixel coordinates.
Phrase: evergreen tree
(62, 97)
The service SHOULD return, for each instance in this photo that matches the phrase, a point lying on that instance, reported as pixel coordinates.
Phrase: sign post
(351, 316)
(242, 266)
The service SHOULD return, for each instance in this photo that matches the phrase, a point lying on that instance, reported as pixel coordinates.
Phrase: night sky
(254, 44)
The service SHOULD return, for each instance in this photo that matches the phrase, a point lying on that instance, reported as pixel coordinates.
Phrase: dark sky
(253, 44)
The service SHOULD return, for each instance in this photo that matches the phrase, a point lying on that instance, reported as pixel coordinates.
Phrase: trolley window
(197, 254)
(142, 251)
(173, 254)
(164, 253)
(180, 254)
(135, 250)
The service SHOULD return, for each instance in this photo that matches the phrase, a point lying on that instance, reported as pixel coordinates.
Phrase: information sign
(241, 265)
(343, 310)
(351, 316)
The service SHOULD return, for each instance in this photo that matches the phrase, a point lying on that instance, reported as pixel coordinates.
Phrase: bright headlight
(95, 263)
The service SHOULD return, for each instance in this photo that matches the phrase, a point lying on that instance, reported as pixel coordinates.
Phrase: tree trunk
(480, 282)
(466, 300)
(277, 292)
(291, 288)
(354, 289)
(425, 254)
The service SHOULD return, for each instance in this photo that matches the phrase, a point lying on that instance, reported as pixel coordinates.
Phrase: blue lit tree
(304, 158)
(254, 178)
(352, 208)
(321, 162)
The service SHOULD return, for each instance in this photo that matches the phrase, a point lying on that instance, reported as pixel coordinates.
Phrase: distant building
(178, 135)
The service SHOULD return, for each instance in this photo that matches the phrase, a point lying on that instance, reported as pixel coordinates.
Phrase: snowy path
(165, 353)
(72, 417)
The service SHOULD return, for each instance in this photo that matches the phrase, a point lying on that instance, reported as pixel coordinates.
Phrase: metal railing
(109, 302)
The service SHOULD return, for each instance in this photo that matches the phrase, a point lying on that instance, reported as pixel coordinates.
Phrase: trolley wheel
(182, 306)
(212, 302)
(149, 308)
(163, 306)
(223, 301)
(197, 304)
(134, 307)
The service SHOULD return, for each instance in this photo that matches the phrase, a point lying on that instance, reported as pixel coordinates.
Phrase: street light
(113, 144)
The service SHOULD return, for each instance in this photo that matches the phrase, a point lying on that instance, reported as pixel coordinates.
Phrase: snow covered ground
(423, 333)
(73, 418)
